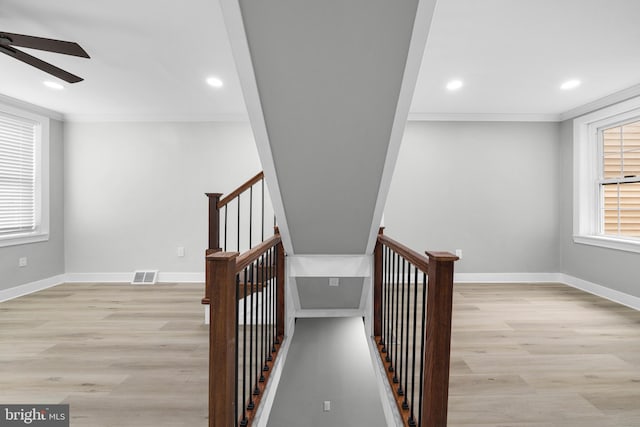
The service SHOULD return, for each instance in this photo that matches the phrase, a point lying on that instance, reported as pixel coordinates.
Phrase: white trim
(483, 117)
(36, 109)
(292, 288)
(562, 278)
(329, 265)
(125, 278)
(242, 56)
(506, 277)
(137, 117)
(613, 98)
(269, 394)
(183, 277)
(601, 291)
(420, 32)
(586, 174)
(329, 312)
(387, 397)
(42, 173)
(29, 288)
(609, 242)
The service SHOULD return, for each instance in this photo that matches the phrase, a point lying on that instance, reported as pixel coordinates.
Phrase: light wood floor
(123, 355)
(543, 355)
(120, 355)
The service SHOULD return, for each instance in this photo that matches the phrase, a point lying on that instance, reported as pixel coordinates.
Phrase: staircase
(328, 85)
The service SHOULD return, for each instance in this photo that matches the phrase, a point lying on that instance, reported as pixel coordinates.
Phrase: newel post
(214, 233)
(377, 287)
(438, 339)
(221, 278)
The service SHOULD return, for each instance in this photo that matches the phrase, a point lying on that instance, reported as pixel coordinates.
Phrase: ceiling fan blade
(50, 45)
(40, 64)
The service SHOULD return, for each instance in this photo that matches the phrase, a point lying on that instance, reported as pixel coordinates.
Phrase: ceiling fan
(9, 40)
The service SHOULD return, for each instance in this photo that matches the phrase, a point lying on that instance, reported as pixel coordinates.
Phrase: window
(23, 177)
(620, 180)
(607, 177)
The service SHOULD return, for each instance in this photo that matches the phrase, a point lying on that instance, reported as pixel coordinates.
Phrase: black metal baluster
(270, 323)
(391, 344)
(250, 215)
(225, 228)
(251, 405)
(238, 237)
(388, 307)
(257, 365)
(400, 336)
(424, 316)
(237, 407)
(397, 302)
(263, 327)
(276, 295)
(245, 397)
(262, 221)
(412, 418)
(405, 404)
(382, 297)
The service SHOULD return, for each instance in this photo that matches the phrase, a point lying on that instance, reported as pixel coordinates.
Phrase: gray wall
(134, 192)
(614, 269)
(488, 188)
(315, 292)
(45, 259)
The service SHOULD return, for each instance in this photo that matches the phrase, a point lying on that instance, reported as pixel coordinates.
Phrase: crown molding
(613, 98)
(24, 105)
(154, 118)
(482, 117)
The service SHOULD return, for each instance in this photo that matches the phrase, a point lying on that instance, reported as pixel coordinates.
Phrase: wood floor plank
(523, 355)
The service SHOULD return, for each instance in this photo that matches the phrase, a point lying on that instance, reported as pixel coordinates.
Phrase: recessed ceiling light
(570, 84)
(454, 84)
(53, 85)
(215, 82)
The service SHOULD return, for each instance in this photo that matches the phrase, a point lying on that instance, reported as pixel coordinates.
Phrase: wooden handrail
(251, 255)
(222, 270)
(418, 260)
(244, 187)
(435, 344)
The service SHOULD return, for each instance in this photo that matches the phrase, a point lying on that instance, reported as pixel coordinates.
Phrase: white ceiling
(149, 59)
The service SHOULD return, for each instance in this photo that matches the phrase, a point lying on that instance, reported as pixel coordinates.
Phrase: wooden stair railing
(412, 328)
(246, 329)
(219, 232)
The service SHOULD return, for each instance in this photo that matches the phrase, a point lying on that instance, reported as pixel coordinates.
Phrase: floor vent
(144, 277)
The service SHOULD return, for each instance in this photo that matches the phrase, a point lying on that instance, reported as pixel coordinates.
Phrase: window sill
(23, 239)
(621, 244)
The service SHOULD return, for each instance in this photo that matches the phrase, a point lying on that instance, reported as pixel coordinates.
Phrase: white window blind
(17, 175)
(620, 180)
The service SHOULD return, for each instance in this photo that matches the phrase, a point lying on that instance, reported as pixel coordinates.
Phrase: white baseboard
(329, 313)
(601, 291)
(264, 409)
(566, 279)
(29, 288)
(507, 277)
(590, 287)
(389, 407)
(166, 277)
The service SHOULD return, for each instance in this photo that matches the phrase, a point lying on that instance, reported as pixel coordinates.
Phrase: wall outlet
(180, 250)
(459, 253)
(334, 281)
(22, 261)
(327, 406)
